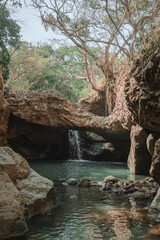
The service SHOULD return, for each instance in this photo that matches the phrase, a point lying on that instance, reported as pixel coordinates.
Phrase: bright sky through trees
(31, 27)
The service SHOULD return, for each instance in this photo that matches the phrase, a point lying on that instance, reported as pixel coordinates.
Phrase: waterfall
(74, 145)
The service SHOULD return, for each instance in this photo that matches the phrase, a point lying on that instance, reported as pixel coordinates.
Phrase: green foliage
(37, 67)
(9, 36)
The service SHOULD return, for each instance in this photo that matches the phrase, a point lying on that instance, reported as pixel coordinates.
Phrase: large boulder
(12, 213)
(23, 194)
(139, 159)
(155, 166)
(38, 194)
(14, 165)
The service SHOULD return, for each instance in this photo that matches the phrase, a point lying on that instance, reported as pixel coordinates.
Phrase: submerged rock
(156, 202)
(84, 182)
(110, 179)
(139, 195)
(72, 181)
(135, 189)
(23, 194)
(154, 232)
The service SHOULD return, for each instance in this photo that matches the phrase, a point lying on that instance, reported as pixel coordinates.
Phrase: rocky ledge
(23, 194)
(50, 109)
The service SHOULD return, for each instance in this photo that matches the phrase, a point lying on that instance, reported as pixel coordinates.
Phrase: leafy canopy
(9, 37)
(37, 67)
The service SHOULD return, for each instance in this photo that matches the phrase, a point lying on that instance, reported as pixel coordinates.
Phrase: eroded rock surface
(4, 118)
(155, 166)
(12, 219)
(96, 148)
(23, 193)
(37, 142)
(47, 108)
(139, 159)
(94, 103)
(155, 205)
(143, 89)
(151, 140)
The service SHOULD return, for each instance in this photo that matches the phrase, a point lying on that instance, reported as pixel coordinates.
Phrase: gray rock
(139, 195)
(84, 182)
(155, 205)
(110, 179)
(72, 181)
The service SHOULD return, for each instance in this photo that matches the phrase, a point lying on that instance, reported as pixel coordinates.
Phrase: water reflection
(87, 213)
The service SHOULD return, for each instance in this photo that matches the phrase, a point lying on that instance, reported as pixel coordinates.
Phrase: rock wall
(96, 148)
(23, 194)
(142, 93)
(143, 89)
(94, 103)
(37, 142)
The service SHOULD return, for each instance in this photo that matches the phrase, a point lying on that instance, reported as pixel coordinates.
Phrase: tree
(9, 36)
(26, 67)
(40, 66)
(117, 27)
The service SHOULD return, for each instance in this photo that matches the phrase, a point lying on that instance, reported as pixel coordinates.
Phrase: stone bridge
(49, 109)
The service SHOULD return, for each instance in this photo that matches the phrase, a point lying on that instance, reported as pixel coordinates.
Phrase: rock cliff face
(143, 89)
(23, 194)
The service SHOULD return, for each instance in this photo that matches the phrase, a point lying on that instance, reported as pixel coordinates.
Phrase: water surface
(87, 213)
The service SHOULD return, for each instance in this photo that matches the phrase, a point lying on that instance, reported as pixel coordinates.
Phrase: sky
(31, 28)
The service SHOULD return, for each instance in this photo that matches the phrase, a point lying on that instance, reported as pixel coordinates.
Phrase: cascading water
(75, 145)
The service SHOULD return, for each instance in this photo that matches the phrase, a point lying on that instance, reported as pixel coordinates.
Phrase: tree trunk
(109, 100)
(1, 87)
